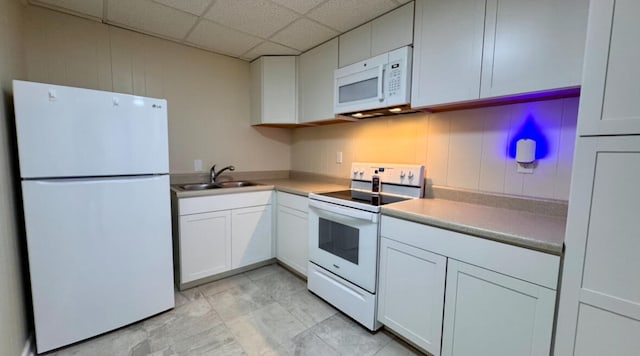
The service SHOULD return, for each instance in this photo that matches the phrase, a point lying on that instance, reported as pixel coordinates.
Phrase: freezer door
(100, 255)
(72, 132)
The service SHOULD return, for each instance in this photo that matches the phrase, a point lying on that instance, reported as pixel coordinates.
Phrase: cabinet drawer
(203, 204)
(297, 202)
(533, 266)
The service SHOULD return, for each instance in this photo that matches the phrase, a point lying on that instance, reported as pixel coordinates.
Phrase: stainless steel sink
(236, 184)
(200, 186)
(219, 185)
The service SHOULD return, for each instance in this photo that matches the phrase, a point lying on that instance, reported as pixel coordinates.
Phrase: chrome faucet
(214, 174)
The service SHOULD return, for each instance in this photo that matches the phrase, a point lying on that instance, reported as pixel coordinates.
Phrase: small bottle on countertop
(375, 183)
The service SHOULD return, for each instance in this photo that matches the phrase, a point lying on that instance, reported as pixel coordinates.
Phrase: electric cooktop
(365, 197)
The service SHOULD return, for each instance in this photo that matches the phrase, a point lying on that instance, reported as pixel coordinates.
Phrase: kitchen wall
(208, 94)
(463, 149)
(13, 316)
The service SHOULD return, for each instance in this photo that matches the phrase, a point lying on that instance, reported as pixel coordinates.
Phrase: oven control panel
(399, 174)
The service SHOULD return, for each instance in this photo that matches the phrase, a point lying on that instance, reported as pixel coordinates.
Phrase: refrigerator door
(73, 132)
(100, 254)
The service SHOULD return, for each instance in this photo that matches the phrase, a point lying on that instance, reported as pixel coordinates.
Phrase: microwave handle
(381, 84)
(344, 211)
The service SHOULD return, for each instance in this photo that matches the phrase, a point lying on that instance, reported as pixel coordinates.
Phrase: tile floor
(267, 311)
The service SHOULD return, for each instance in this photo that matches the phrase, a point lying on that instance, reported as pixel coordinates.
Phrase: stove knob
(355, 173)
(361, 173)
(410, 175)
(402, 174)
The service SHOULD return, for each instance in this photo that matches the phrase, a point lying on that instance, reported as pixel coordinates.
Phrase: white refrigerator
(95, 187)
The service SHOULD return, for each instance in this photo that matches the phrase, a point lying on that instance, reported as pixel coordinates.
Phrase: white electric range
(344, 236)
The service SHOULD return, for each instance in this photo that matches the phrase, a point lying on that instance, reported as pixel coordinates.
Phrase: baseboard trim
(29, 347)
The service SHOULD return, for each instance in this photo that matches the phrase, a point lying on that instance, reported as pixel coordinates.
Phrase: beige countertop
(534, 231)
(525, 229)
(293, 186)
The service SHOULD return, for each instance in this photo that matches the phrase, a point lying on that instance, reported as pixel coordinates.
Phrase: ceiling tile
(269, 48)
(257, 17)
(220, 39)
(344, 15)
(304, 34)
(196, 7)
(301, 6)
(148, 16)
(86, 7)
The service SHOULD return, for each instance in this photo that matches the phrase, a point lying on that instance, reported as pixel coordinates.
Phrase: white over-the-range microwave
(377, 86)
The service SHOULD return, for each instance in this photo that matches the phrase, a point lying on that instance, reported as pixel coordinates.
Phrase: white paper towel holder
(526, 155)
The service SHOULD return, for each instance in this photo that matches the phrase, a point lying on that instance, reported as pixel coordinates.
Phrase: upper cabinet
(471, 49)
(611, 82)
(274, 90)
(315, 73)
(447, 51)
(533, 45)
(388, 32)
(355, 45)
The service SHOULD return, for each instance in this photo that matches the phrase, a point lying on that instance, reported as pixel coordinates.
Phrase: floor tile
(119, 342)
(186, 296)
(398, 348)
(187, 329)
(307, 307)
(238, 316)
(303, 344)
(281, 284)
(223, 284)
(263, 330)
(239, 300)
(262, 272)
(342, 333)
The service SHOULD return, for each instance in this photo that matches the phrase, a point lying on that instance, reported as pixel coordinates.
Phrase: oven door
(360, 86)
(344, 241)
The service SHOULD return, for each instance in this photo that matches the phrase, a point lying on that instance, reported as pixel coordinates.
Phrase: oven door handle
(344, 211)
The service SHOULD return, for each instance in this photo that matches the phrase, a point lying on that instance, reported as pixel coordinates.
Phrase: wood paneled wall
(463, 149)
(207, 94)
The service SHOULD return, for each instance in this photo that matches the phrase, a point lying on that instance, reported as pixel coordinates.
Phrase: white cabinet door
(488, 313)
(293, 238)
(393, 30)
(205, 245)
(600, 297)
(355, 45)
(447, 52)
(470, 49)
(611, 85)
(316, 73)
(274, 90)
(411, 293)
(533, 45)
(251, 235)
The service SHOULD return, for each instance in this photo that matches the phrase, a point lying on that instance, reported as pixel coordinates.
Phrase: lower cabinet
(218, 233)
(205, 245)
(251, 235)
(457, 295)
(488, 313)
(411, 287)
(292, 231)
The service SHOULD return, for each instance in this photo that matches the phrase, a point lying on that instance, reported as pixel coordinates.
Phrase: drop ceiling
(245, 29)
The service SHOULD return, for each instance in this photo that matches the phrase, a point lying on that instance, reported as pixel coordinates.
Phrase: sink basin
(229, 184)
(235, 184)
(200, 186)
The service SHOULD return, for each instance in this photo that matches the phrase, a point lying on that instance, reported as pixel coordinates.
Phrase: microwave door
(360, 91)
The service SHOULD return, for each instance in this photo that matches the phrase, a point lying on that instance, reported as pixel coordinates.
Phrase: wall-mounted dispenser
(526, 155)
